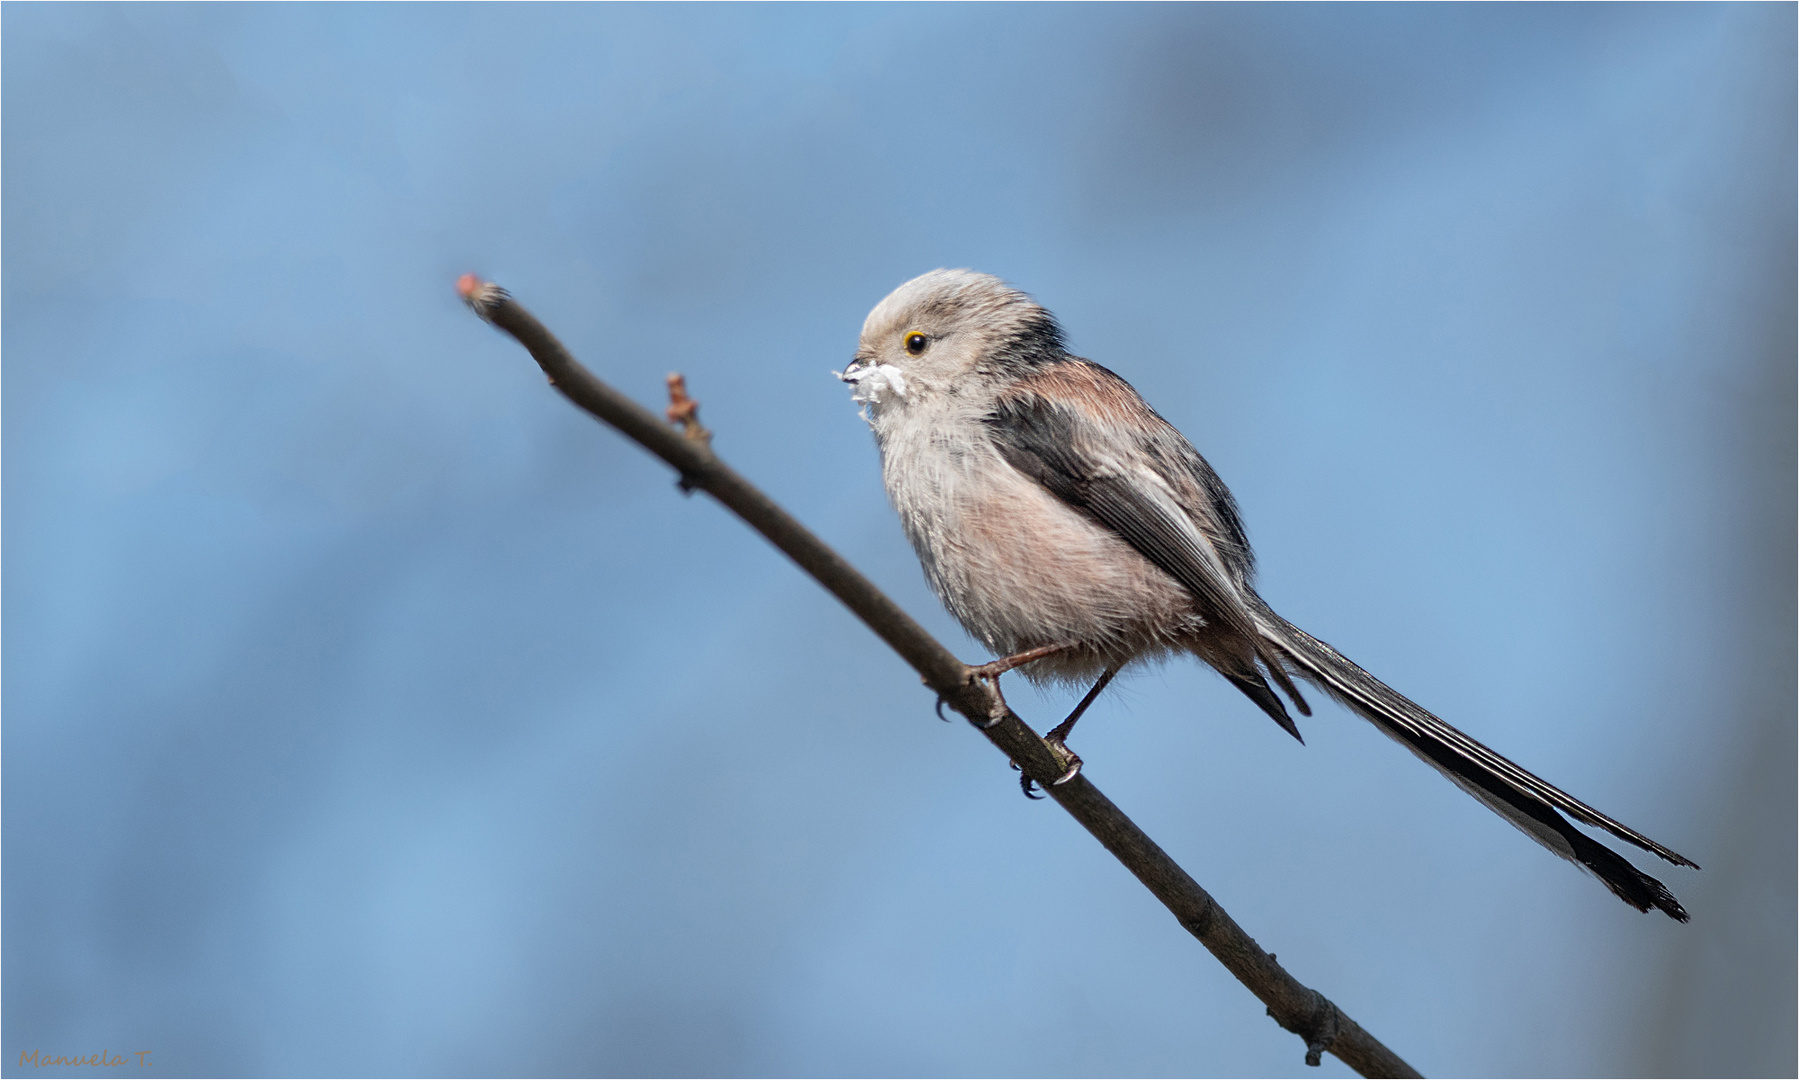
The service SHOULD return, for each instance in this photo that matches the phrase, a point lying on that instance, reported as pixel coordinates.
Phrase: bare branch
(1296, 1007)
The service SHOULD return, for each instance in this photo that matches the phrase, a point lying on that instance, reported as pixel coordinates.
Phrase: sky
(368, 710)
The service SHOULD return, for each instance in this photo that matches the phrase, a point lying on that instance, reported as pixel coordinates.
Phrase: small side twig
(1293, 1005)
(685, 411)
(1319, 1029)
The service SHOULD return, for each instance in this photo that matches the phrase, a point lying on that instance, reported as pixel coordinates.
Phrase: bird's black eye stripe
(915, 342)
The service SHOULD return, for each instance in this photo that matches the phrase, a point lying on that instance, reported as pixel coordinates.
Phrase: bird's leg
(1006, 663)
(992, 671)
(1065, 757)
(1058, 735)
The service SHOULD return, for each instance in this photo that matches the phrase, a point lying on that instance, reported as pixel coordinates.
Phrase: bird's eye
(915, 343)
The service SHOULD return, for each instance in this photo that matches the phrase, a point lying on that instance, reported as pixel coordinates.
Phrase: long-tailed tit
(1075, 532)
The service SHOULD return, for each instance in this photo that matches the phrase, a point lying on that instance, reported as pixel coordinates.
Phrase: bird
(1074, 532)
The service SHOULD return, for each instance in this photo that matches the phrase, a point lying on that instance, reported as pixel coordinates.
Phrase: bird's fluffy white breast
(1017, 566)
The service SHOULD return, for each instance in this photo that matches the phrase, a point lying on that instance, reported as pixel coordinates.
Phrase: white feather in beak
(868, 382)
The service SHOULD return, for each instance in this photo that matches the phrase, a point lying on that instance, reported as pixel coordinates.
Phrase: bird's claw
(1068, 759)
(1029, 786)
(1025, 782)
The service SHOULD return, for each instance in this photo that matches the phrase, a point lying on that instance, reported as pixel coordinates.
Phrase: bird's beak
(860, 365)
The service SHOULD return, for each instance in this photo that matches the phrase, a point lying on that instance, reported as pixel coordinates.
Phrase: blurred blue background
(369, 710)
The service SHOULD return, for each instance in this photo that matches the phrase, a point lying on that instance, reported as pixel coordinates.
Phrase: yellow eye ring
(915, 343)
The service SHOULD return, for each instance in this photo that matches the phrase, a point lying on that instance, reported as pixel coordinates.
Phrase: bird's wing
(1087, 437)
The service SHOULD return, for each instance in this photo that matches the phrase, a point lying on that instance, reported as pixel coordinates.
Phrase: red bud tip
(466, 285)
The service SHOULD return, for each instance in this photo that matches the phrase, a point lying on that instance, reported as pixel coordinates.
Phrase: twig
(1296, 1007)
(684, 410)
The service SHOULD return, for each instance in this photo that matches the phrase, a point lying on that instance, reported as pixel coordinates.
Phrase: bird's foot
(1066, 758)
(990, 672)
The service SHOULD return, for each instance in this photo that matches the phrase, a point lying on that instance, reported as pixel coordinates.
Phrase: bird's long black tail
(1522, 798)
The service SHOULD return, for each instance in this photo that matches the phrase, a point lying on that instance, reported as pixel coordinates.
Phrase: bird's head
(942, 328)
